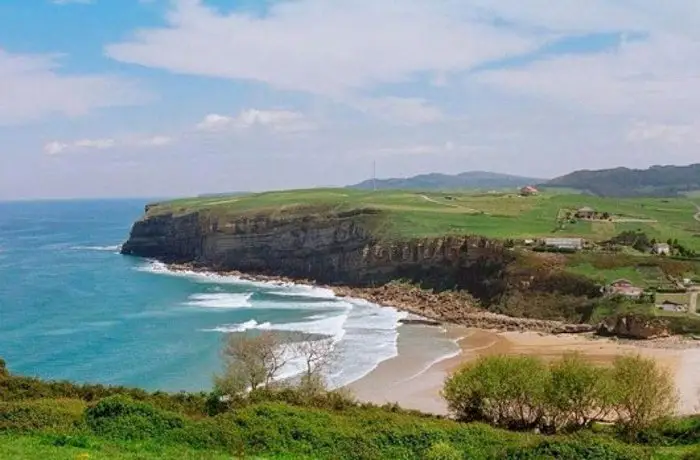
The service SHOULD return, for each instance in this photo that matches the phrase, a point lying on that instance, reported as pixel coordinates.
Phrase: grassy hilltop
(410, 214)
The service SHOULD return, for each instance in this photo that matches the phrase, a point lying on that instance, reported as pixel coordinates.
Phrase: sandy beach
(414, 378)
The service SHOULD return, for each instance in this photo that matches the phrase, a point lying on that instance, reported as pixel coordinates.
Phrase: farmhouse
(585, 213)
(529, 191)
(662, 249)
(625, 288)
(575, 244)
(669, 305)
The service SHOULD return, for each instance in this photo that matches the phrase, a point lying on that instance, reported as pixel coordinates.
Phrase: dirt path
(427, 198)
(451, 205)
(693, 303)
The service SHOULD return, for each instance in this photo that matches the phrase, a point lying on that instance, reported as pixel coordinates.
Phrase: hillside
(437, 241)
(60, 420)
(403, 215)
(661, 181)
(467, 180)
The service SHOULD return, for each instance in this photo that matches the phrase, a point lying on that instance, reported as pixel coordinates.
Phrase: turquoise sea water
(72, 308)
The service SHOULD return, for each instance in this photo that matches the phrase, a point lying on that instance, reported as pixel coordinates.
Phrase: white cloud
(55, 147)
(419, 149)
(58, 147)
(99, 144)
(32, 88)
(662, 132)
(321, 47)
(67, 2)
(281, 121)
(214, 122)
(156, 141)
(408, 111)
(654, 77)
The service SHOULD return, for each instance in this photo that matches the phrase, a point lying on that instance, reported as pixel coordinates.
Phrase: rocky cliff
(330, 248)
(447, 276)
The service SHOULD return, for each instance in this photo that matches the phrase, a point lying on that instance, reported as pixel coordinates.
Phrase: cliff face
(332, 249)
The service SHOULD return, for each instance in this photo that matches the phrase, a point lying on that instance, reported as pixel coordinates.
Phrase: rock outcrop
(635, 327)
(339, 248)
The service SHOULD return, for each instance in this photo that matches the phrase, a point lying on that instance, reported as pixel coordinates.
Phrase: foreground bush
(644, 393)
(568, 394)
(507, 391)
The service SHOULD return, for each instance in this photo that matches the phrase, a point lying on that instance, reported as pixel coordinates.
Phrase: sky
(146, 98)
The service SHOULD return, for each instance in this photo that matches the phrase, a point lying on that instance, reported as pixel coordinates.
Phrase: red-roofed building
(529, 191)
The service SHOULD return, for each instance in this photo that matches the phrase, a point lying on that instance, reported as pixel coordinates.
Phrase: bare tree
(252, 361)
(315, 352)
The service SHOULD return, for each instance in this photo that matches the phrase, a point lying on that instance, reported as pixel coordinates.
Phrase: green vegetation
(410, 214)
(467, 180)
(624, 182)
(41, 420)
(519, 392)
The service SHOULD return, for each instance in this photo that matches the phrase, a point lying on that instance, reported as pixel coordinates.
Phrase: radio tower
(374, 176)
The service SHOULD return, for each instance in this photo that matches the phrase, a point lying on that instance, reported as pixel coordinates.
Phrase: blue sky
(176, 97)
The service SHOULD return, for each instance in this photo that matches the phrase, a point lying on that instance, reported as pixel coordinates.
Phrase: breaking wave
(363, 334)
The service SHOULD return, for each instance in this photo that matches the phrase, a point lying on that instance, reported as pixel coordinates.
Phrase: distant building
(585, 213)
(662, 248)
(564, 243)
(529, 191)
(625, 288)
(671, 306)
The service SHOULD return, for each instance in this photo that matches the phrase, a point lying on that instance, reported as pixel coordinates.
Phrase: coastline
(394, 381)
(414, 377)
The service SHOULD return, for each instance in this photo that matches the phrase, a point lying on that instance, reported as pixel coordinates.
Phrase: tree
(578, 393)
(251, 361)
(643, 392)
(507, 391)
(3, 369)
(316, 355)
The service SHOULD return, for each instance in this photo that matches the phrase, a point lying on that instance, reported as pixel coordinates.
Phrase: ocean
(72, 307)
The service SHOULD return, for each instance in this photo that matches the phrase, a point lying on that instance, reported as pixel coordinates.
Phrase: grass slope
(409, 214)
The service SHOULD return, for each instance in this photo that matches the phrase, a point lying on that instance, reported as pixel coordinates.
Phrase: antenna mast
(374, 175)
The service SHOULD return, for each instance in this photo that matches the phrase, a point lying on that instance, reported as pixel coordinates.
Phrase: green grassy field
(410, 214)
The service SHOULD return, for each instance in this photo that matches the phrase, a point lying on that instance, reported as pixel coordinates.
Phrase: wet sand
(414, 378)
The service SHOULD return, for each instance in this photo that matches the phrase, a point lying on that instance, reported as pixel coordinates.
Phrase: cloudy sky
(103, 98)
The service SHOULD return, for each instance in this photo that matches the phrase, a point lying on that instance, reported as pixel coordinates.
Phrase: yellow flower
(83, 456)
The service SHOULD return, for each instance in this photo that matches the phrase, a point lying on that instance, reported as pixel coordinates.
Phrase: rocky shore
(457, 308)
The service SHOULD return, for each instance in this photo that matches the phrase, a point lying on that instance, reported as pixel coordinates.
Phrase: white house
(662, 248)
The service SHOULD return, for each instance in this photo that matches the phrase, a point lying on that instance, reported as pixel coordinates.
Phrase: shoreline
(394, 381)
(415, 376)
(455, 310)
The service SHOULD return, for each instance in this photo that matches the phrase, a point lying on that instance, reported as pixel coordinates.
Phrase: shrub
(507, 391)
(583, 448)
(672, 431)
(442, 451)
(578, 393)
(40, 415)
(120, 417)
(643, 393)
(518, 392)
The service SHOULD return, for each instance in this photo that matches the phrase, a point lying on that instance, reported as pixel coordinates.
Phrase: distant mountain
(435, 181)
(625, 182)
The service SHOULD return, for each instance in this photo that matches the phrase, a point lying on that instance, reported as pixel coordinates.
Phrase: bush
(671, 432)
(507, 391)
(40, 415)
(643, 393)
(583, 448)
(518, 392)
(578, 393)
(120, 417)
(442, 451)
(16, 388)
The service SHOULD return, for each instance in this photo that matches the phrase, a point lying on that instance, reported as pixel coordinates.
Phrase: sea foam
(363, 334)
(220, 300)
